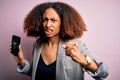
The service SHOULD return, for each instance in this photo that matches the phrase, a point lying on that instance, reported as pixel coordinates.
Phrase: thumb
(64, 46)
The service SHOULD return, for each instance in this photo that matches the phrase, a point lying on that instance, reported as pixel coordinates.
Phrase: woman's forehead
(50, 12)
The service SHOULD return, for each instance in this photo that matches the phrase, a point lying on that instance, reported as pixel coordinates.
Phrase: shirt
(45, 72)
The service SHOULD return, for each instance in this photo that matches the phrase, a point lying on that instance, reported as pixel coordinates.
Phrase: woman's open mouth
(48, 31)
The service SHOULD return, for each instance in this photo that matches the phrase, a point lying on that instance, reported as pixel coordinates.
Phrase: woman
(58, 54)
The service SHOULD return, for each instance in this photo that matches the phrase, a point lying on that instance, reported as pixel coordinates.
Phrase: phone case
(15, 45)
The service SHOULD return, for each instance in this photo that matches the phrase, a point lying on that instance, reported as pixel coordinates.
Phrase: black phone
(15, 44)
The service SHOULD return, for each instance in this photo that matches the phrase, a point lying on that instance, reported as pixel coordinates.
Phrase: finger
(20, 47)
(16, 58)
(10, 47)
(72, 53)
(67, 44)
(73, 44)
(76, 44)
(69, 51)
(70, 45)
(70, 48)
(63, 46)
(10, 50)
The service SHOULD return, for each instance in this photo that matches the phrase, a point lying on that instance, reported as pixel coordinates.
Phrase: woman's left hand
(72, 49)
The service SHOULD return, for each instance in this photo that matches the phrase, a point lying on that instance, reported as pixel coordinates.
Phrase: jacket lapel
(36, 56)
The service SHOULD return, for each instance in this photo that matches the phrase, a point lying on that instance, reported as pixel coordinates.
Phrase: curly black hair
(72, 24)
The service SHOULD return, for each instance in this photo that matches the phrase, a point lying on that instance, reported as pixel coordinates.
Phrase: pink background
(102, 18)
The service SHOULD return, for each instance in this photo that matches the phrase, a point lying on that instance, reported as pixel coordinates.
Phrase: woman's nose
(48, 24)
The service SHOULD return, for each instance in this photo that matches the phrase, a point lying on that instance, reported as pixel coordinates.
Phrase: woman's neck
(53, 41)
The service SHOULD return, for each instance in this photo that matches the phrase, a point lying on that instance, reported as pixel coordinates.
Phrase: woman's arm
(72, 49)
(102, 71)
(23, 64)
(78, 52)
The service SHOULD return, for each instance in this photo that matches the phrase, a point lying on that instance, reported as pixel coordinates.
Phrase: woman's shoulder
(37, 43)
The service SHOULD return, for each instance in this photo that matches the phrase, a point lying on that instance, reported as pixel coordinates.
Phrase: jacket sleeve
(102, 71)
(26, 69)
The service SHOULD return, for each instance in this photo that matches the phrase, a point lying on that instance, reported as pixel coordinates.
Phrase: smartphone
(15, 44)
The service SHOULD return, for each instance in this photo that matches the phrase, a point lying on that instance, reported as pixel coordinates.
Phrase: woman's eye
(53, 20)
(46, 20)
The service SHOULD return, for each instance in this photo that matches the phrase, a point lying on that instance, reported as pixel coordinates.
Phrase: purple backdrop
(102, 38)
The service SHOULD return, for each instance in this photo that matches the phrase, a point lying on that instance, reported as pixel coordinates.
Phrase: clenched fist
(72, 49)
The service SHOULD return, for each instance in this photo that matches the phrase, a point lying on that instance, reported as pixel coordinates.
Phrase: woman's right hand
(20, 58)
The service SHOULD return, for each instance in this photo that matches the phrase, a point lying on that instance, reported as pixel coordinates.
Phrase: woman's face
(51, 23)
